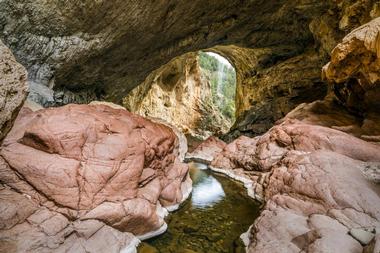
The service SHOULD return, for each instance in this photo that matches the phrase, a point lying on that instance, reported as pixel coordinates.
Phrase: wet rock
(99, 164)
(13, 89)
(188, 251)
(191, 228)
(146, 248)
(214, 237)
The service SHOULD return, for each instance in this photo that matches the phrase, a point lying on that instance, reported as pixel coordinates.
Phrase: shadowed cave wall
(79, 51)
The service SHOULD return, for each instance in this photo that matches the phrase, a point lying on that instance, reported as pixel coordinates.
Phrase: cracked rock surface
(317, 170)
(312, 179)
(74, 174)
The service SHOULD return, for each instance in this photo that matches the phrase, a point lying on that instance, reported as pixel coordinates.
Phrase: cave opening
(222, 77)
(194, 92)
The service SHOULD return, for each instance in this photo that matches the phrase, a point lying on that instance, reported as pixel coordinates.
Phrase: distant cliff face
(179, 93)
(85, 50)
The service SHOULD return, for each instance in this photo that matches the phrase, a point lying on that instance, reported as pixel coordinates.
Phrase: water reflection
(207, 191)
(211, 220)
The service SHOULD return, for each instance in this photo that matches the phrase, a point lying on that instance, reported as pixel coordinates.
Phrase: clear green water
(211, 220)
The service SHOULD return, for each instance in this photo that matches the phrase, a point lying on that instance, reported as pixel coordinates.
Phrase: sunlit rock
(178, 93)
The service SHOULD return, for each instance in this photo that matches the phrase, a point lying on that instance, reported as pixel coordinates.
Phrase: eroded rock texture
(316, 177)
(13, 89)
(354, 69)
(273, 78)
(318, 169)
(92, 169)
(116, 44)
(85, 49)
(206, 150)
(178, 93)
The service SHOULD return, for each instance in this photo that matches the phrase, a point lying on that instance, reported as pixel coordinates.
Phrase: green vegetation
(223, 84)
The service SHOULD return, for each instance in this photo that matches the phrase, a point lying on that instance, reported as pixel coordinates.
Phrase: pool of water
(211, 220)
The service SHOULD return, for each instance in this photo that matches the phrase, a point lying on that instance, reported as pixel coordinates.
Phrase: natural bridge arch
(91, 176)
(104, 49)
(195, 92)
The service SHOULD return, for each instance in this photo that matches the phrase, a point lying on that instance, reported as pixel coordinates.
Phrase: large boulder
(318, 169)
(13, 89)
(317, 179)
(88, 165)
(354, 69)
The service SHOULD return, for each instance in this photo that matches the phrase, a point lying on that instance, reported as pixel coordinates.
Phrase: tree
(223, 84)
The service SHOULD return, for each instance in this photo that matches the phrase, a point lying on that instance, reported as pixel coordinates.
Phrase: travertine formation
(13, 89)
(178, 93)
(86, 50)
(354, 69)
(89, 178)
(92, 169)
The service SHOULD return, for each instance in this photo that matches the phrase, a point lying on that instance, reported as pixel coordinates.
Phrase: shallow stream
(210, 220)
